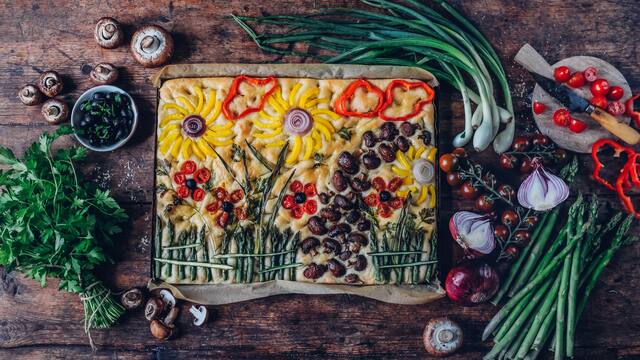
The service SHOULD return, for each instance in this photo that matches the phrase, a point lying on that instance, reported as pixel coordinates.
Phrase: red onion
(194, 126)
(542, 190)
(473, 232)
(298, 122)
(472, 283)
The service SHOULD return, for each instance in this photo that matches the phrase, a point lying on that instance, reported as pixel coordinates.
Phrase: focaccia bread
(317, 180)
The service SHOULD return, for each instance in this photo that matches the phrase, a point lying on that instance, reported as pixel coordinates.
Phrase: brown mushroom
(171, 316)
(160, 330)
(108, 33)
(442, 337)
(50, 83)
(154, 308)
(55, 111)
(151, 46)
(132, 299)
(104, 73)
(30, 95)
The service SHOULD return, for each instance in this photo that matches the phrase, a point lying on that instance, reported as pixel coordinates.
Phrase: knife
(576, 103)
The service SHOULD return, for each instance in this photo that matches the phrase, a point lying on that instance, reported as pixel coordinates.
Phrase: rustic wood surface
(44, 323)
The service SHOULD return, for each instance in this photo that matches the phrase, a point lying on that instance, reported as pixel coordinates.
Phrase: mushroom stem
(150, 44)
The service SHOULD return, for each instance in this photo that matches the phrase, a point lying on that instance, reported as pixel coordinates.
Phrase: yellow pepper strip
(317, 140)
(308, 147)
(280, 99)
(432, 196)
(211, 100)
(324, 122)
(408, 180)
(306, 95)
(170, 138)
(411, 153)
(421, 150)
(200, 96)
(215, 142)
(413, 188)
(327, 112)
(259, 124)
(270, 135)
(175, 150)
(196, 150)
(221, 133)
(400, 172)
(167, 132)
(314, 102)
(205, 148)
(186, 149)
(164, 146)
(176, 107)
(186, 103)
(169, 118)
(432, 154)
(277, 143)
(293, 93)
(293, 155)
(403, 193)
(423, 195)
(264, 115)
(216, 112)
(279, 109)
(225, 126)
(324, 131)
(403, 159)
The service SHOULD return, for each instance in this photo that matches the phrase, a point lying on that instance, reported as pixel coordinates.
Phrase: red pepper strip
(407, 85)
(347, 95)
(233, 92)
(635, 115)
(618, 149)
(626, 199)
(634, 169)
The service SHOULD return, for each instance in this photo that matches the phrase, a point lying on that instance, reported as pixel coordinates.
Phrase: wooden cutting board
(562, 136)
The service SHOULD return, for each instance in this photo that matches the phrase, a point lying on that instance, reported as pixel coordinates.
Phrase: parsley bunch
(55, 224)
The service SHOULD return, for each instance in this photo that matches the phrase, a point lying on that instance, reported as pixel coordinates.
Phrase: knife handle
(621, 130)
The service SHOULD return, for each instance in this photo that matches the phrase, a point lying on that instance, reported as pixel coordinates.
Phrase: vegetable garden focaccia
(317, 180)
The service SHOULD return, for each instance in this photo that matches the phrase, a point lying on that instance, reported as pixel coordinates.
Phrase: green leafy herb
(345, 133)
(237, 153)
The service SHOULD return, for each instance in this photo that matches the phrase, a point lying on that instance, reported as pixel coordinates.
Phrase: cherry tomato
(310, 207)
(484, 203)
(459, 152)
(236, 196)
(454, 178)
(576, 125)
(288, 202)
(202, 176)
(512, 251)
(394, 184)
(396, 203)
(448, 162)
(509, 217)
(500, 231)
(539, 107)
(540, 140)
(577, 80)
(297, 212)
(590, 74)
(240, 213)
(220, 193)
(522, 237)
(296, 186)
(562, 73)
(371, 200)
(384, 210)
(561, 117)
(189, 167)
(560, 155)
(507, 192)
(214, 206)
(599, 101)
(378, 183)
(179, 178)
(198, 194)
(615, 108)
(521, 144)
(530, 221)
(310, 190)
(600, 87)
(183, 191)
(223, 219)
(616, 93)
(526, 166)
(468, 191)
(508, 161)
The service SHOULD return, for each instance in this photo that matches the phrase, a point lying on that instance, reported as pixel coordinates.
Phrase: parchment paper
(218, 294)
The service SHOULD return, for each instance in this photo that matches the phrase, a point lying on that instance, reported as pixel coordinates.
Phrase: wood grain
(38, 323)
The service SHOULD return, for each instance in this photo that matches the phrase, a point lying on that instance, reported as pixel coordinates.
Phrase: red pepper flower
(383, 198)
(225, 204)
(301, 202)
(188, 186)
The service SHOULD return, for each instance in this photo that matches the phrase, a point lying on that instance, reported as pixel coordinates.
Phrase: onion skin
(472, 283)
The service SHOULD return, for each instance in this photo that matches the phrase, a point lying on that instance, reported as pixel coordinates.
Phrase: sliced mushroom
(30, 95)
(200, 313)
(104, 73)
(442, 336)
(154, 308)
(132, 299)
(55, 111)
(167, 297)
(161, 331)
(50, 83)
(108, 33)
(151, 46)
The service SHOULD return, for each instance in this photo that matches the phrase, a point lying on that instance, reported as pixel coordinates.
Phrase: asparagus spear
(158, 247)
(560, 314)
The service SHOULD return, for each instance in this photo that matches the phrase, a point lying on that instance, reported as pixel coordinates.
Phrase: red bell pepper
(342, 102)
(627, 202)
(598, 165)
(233, 92)
(407, 85)
(635, 115)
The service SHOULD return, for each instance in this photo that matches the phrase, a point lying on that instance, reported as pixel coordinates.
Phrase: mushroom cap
(104, 73)
(442, 336)
(132, 299)
(161, 331)
(50, 83)
(154, 308)
(151, 45)
(108, 33)
(55, 111)
(30, 95)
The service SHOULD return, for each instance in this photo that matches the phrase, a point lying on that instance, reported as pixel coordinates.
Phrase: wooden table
(45, 323)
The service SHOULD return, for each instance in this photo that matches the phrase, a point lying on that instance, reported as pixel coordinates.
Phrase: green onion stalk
(406, 33)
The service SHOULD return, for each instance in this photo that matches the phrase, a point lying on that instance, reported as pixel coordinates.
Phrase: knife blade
(576, 103)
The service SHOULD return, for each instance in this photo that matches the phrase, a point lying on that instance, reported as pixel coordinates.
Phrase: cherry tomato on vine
(560, 155)
(540, 140)
(484, 203)
(448, 162)
(599, 87)
(521, 144)
(526, 166)
(468, 191)
(530, 221)
(615, 93)
(512, 251)
(561, 117)
(599, 101)
(460, 152)
(500, 231)
(509, 217)
(454, 178)
(562, 73)
(522, 237)
(577, 80)
(508, 161)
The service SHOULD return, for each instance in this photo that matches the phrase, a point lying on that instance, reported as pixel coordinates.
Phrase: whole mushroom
(55, 111)
(50, 83)
(108, 33)
(160, 330)
(30, 95)
(151, 46)
(442, 337)
(132, 299)
(104, 73)
(154, 308)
